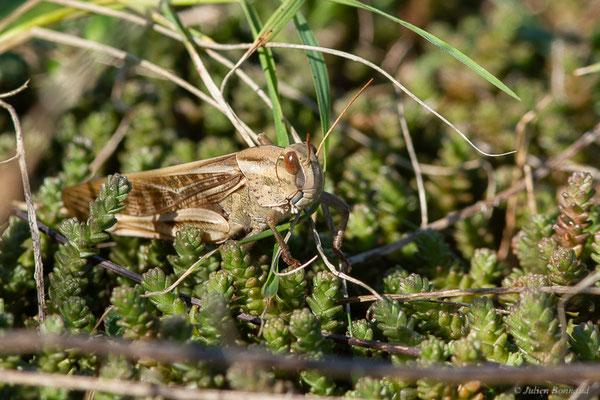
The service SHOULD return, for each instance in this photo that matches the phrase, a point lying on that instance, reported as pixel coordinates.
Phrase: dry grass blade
(397, 84)
(332, 268)
(371, 65)
(17, 342)
(132, 388)
(301, 267)
(569, 290)
(35, 233)
(110, 146)
(413, 159)
(229, 64)
(144, 22)
(247, 134)
(22, 9)
(257, 43)
(70, 40)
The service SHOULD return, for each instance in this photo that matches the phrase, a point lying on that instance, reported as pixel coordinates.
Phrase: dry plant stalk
(35, 233)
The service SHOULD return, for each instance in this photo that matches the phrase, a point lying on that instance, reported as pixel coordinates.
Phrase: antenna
(341, 115)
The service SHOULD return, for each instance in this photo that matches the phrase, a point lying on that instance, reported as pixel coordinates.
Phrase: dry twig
(520, 160)
(19, 342)
(112, 144)
(134, 389)
(22, 9)
(70, 40)
(413, 159)
(571, 290)
(35, 233)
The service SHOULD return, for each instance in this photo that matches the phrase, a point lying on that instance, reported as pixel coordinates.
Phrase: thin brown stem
(35, 233)
(132, 389)
(414, 161)
(529, 187)
(242, 129)
(22, 9)
(571, 290)
(70, 40)
(19, 342)
(13, 158)
(520, 159)
(112, 144)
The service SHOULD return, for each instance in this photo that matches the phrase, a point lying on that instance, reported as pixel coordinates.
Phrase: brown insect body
(243, 192)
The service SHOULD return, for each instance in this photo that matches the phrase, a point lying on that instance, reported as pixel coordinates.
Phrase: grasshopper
(225, 197)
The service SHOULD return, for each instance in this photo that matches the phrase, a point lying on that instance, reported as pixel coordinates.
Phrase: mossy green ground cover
(547, 237)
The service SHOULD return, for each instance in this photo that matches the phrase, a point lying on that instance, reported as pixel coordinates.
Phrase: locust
(238, 194)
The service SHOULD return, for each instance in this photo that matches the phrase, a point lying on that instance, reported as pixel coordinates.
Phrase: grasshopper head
(300, 175)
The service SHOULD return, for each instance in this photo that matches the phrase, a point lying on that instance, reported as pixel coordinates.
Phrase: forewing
(164, 190)
(77, 198)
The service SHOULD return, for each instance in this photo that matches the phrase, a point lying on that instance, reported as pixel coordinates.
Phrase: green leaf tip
(454, 52)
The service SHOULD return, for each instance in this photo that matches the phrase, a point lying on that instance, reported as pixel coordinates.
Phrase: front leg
(329, 200)
(272, 218)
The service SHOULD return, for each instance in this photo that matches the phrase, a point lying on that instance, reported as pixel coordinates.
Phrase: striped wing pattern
(159, 195)
(168, 189)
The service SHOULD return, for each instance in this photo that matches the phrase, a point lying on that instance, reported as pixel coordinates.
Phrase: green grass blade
(44, 14)
(281, 17)
(268, 64)
(40, 15)
(437, 42)
(590, 69)
(318, 69)
(271, 286)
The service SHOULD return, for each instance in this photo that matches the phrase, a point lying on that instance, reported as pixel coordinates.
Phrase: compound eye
(291, 163)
